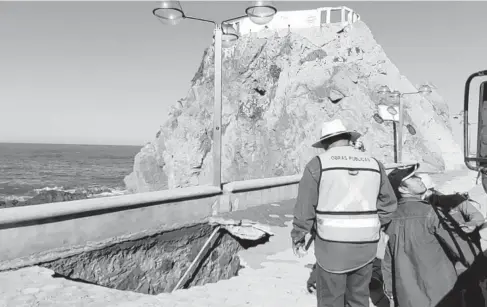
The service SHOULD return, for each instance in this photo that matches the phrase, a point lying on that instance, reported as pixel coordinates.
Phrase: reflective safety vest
(347, 202)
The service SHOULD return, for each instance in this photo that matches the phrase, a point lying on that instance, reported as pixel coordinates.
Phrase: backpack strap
(442, 218)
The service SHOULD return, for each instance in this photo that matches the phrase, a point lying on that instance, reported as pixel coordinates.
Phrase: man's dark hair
(397, 176)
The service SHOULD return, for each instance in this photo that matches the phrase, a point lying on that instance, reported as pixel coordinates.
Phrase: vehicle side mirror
(482, 129)
(475, 121)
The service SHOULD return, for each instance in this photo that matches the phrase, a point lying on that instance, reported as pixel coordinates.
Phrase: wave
(90, 192)
(58, 194)
(14, 197)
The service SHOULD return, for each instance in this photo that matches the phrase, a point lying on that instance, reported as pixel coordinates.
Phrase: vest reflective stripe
(359, 229)
(347, 202)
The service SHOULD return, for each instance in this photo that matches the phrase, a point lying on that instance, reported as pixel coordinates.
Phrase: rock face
(153, 265)
(278, 89)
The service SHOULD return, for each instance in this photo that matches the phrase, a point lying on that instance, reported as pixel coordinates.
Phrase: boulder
(278, 89)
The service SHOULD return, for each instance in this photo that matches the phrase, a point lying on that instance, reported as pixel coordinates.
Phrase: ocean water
(96, 170)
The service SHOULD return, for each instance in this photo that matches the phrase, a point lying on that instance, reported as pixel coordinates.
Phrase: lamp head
(261, 12)
(425, 89)
(169, 13)
(229, 35)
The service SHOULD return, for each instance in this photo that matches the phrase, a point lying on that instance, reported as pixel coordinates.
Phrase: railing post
(342, 18)
(328, 15)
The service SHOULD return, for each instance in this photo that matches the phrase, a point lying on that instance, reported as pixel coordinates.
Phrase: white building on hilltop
(299, 19)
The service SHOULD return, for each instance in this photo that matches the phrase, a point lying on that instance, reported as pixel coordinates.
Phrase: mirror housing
(475, 133)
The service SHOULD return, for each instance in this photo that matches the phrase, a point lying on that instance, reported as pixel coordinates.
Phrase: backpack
(442, 204)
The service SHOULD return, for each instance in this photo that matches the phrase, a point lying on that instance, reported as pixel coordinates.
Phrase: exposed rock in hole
(155, 264)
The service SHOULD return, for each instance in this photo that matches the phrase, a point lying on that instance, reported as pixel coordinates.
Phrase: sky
(107, 72)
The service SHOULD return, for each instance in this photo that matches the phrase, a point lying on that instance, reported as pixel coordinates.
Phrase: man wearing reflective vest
(344, 197)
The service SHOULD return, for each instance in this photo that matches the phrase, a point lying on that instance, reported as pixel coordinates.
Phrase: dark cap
(400, 174)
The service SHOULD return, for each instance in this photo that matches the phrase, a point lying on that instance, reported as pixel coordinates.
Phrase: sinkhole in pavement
(156, 264)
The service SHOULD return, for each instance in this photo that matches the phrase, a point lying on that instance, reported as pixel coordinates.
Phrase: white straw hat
(333, 128)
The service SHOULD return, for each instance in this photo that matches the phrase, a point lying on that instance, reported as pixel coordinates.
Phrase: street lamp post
(384, 90)
(260, 13)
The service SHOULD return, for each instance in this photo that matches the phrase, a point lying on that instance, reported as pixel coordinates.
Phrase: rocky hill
(278, 89)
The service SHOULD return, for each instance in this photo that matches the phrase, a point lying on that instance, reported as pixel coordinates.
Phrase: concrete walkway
(272, 276)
